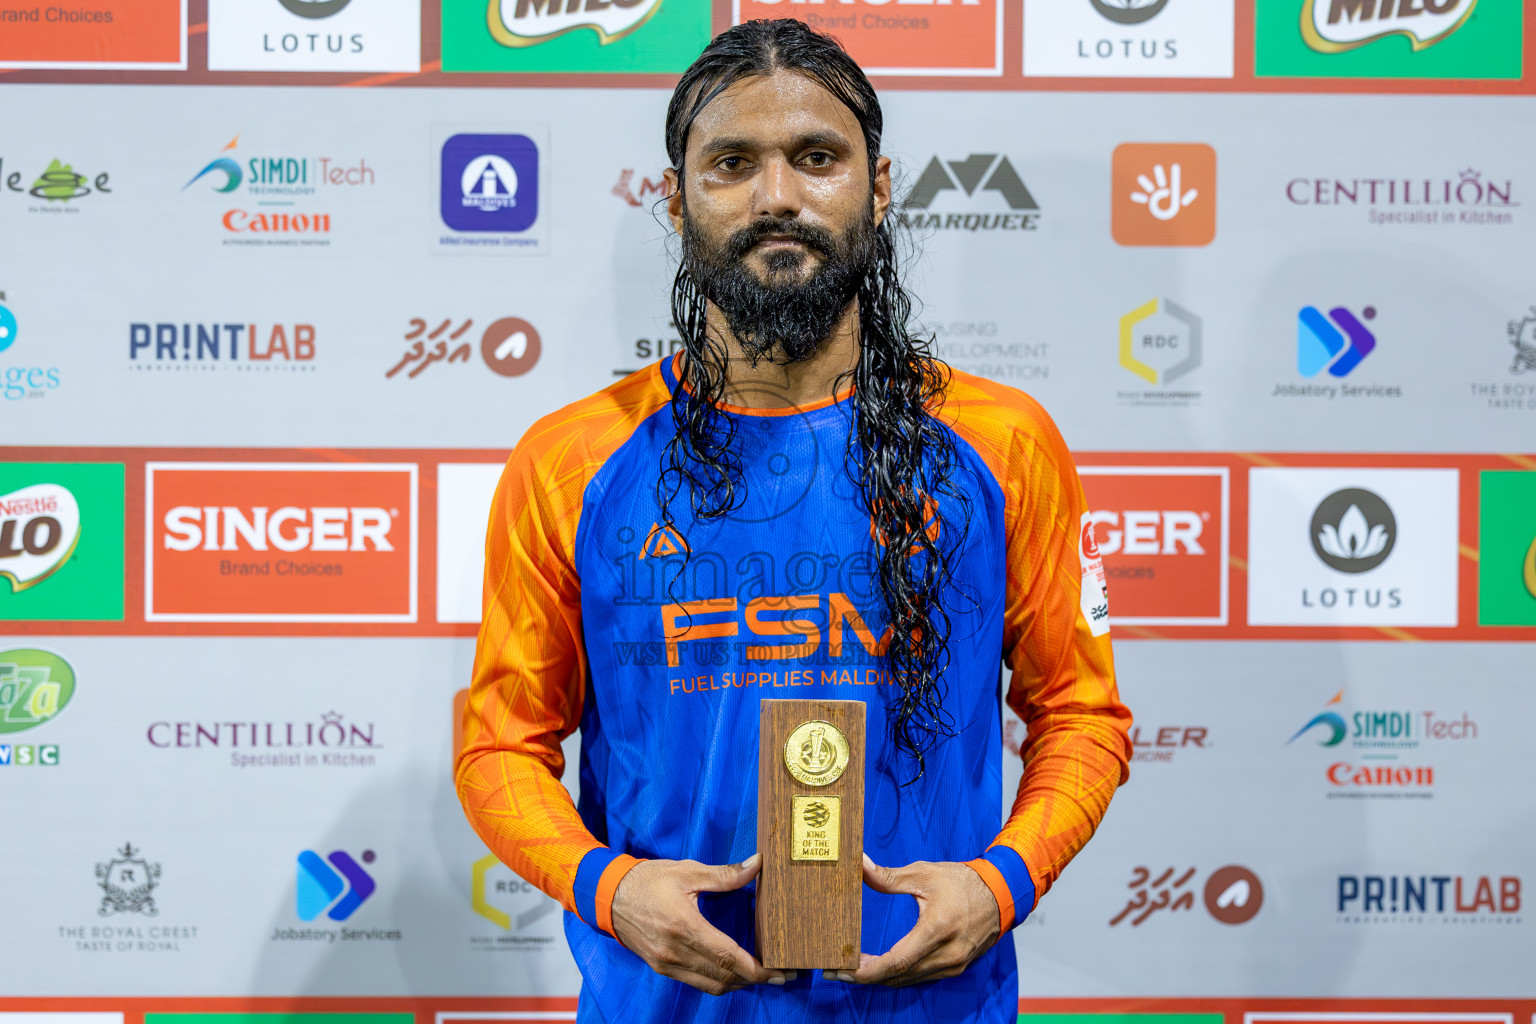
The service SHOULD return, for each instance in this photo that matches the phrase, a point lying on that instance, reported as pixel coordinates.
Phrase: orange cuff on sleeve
(1000, 891)
(613, 874)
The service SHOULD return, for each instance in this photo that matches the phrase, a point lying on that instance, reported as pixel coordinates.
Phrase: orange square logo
(279, 542)
(132, 34)
(960, 38)
(1164, 193)
(1162, 532)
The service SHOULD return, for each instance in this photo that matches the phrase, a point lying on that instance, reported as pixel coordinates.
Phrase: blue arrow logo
(320, 884)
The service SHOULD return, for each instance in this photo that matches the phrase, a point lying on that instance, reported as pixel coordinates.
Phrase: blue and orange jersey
(659, 641)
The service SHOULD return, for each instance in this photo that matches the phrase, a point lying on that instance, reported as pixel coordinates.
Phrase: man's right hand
(656, 916)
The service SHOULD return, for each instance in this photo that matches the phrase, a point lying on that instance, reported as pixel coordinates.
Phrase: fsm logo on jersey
(488, 194)
(1352, 547)
(280, 542)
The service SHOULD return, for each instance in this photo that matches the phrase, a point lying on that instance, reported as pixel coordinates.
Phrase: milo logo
(39, 528)
(34, 687)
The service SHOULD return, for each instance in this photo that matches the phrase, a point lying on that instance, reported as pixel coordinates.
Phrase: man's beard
(787, 318)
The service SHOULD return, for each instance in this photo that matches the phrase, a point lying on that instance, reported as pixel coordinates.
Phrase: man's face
(776, 211)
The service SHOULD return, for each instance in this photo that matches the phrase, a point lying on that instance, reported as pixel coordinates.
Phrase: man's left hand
(957, 921)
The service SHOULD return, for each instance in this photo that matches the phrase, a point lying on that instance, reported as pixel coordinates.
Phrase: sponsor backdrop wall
(282, 282)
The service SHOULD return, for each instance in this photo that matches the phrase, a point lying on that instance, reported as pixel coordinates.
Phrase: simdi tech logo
(1162, 533)
(573, 35)
(61, 541)
(35, 686)
(941, 37)
(314, 35)
(1352, 547)
(1506, 559)
(1163, 194)
(1447, 39)
(1129, 39)
(280, 542)
(1380, 752)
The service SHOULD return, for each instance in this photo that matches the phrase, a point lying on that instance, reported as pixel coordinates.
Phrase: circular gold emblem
(816, 753)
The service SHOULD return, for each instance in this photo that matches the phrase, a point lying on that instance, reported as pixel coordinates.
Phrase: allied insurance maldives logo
(280, 542)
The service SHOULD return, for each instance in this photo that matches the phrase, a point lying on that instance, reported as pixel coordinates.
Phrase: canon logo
(1149, 532)
(215, 528)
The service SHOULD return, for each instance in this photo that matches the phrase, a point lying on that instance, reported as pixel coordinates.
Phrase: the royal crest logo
(530, 22)
(1522, 335)
(1334, 26)
(39, 528)
(128, 883)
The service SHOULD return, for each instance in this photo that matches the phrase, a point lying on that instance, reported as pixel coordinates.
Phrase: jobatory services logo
(61, 541)
(222, 347)
(1129, 39)
(280, 542)
(35, 687)
(1337, 341)
(948, 37)
(1232, 895)
(1164, 194)
(314, 35)
(1160, 342)
(1506, 561)
(661, 36)
(58, 188)
(326, 740)
(489, 194)
(1352, 547)
(1162, 532)
(982, 192)
(508, 347)
(281, 199)
(1380, 753)
(527, 920)
(108, 34)
(1463, 198)
(336, 886)
(1399, 39)
(1428, 899)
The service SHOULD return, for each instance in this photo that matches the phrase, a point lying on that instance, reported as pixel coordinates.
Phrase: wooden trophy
(810, 831)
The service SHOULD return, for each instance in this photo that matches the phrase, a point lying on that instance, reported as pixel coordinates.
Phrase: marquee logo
(973, 178)
(1163, 194)
(1162, 531)
(1129, 12)
(529, 22)
(336, 893)
(39, 528)
(1334, 26)
(280, 542)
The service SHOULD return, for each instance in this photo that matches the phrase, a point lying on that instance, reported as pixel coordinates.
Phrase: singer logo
(280, 542)
(1164, 194)
(1162, 532)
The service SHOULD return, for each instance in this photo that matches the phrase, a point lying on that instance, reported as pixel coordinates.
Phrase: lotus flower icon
(1353, 538)
(1353, 530)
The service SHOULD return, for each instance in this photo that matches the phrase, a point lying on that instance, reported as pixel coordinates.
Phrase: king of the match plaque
(810, 831)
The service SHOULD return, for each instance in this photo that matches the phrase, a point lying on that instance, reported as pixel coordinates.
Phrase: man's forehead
(774, 108)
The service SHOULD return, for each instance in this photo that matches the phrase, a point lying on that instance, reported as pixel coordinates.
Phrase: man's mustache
(818, 239)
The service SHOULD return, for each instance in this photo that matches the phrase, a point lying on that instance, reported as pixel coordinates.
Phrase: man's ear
(674, 199)
(882, 188)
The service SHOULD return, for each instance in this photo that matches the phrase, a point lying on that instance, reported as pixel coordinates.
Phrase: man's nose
(778, 190)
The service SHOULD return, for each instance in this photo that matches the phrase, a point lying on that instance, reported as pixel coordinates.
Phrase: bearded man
(804, 474)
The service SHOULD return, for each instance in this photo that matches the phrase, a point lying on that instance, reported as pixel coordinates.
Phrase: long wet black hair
(899, 455)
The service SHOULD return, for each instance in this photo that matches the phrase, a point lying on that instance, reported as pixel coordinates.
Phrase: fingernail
(792, 975)
(844, 976)
(867, 862)
(776, 981)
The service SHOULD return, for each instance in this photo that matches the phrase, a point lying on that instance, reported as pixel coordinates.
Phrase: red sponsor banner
(941, 37)
(145, 34)
(279, 542)
(1162, 532)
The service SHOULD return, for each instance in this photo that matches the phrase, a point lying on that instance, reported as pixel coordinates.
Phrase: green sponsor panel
(61, 541)
(1506, 560)
(1121, 1018)
(1485, 45)
(541, 35)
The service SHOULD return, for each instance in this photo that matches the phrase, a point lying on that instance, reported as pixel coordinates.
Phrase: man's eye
(819, 159)
(731, 163)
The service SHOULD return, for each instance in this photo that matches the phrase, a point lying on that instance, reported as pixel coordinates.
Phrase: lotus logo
(1334, 26)
(1129, 12)
(530, 22)
(314, 8)
(1353, 530)
(39, 528)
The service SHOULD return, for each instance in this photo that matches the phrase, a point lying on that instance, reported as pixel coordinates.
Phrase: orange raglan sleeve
(1056, 645)
(529, 679)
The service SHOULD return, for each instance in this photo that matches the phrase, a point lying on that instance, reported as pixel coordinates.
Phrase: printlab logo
(242, 347)
(1411, 899)
(513, 905)
(987, 179)
(509, 347)
(1353, 530)
(1464, 199)
(1338, 342)
(1336, 26)
(1164, 194)
(1232, 895)
(58, 186)
(1160, 343)
(644, 193)
(128, 884)
(335, 889)
(529, 22)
